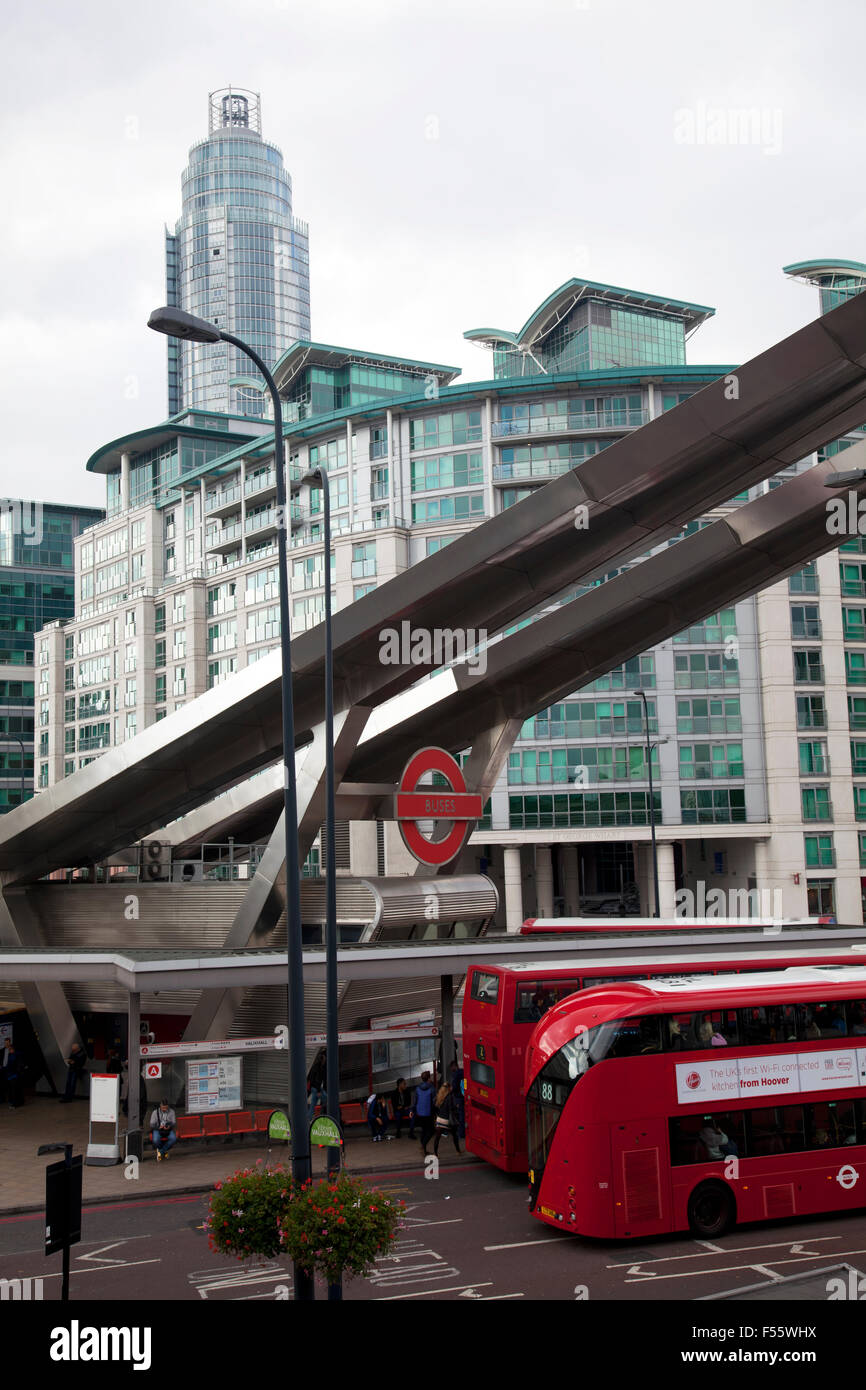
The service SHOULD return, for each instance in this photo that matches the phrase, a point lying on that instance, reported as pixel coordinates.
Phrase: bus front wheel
(712, 1210)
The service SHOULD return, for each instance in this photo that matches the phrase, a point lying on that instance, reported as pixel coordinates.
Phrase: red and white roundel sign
(693, 1080)
(435, 803)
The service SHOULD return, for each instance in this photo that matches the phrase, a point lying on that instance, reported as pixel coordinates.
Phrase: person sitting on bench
(163, 1127)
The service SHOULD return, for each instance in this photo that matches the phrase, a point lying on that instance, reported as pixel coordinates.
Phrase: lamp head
(177, 323)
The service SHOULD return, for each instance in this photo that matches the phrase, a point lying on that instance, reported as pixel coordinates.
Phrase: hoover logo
(77, 1343)
(693, 1080)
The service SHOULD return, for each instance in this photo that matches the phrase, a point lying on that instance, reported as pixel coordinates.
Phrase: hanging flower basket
(338, 1229)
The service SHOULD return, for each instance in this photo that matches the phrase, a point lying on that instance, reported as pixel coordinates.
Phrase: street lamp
(176, 323)
(652, 809)
(318, 477)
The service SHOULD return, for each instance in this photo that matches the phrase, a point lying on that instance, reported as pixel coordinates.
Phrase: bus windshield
(546, 1098)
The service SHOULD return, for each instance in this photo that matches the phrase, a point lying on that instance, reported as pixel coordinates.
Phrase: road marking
(730, 1250)
(728, 1269)
(95, 1254)
(430, 1293)
(519, 1244)
(770, 1273)
(492, 1297)
(708, 1244)
(101, 1269)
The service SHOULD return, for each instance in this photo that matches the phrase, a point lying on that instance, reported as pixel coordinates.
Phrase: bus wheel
(712, 1210)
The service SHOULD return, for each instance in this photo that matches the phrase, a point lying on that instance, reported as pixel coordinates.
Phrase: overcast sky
(456, 161)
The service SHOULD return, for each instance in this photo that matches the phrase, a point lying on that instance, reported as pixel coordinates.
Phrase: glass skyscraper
(37, 587)
(238, 258)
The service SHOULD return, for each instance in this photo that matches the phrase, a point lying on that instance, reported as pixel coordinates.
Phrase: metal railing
(585, 421)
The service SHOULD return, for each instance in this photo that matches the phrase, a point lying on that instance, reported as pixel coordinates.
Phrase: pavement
(44, 1120)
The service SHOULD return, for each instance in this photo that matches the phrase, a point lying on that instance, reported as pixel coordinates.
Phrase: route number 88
(547, 1090)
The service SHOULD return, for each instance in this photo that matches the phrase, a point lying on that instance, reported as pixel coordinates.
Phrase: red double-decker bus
(503, 1003)
(666, 1105)
(574, 926)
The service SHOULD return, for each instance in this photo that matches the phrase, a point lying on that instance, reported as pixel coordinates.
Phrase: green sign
(326, 1133)
(279, 1127)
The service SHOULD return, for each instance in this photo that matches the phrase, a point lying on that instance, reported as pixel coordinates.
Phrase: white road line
(735, 1250)
(519, 1244)
(769, 1273)
(708, 1245)
(492, 1297)
(727, 1269)
(429, 1293)
(101, 1269)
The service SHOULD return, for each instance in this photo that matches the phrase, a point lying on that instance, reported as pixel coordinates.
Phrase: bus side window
(857, 1017)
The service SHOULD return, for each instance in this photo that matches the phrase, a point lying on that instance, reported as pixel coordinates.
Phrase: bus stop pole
(446, 985)
(133, 1074)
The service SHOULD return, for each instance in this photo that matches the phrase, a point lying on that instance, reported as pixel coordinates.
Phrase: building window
(464, 506)
(362, 589)
(821, 897)
(814, 760)
(179, 685)
(811, 713)
(130, 695)
(179, 608)
(820, 853)
(805, 581)
(854, 624)
(159, 618)
(709, 716)
(159, 690)
(169, 559)
(816, 803)
(159, 653)
(719, 804)
(364, 560)
(808, 668)
(718, 627)
(705, 760)
(705, 670)
(547, 812)
(805, 621)
(856, 712)
(855, 668)
(860, 803)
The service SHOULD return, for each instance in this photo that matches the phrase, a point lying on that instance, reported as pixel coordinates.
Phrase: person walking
(422, 1106)
(316, 1084)
(457, 1090)
(75, 1064)
(446, 1117)
(13, 1077)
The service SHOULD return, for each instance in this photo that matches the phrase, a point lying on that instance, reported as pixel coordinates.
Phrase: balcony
(378, 492)
(226, 539)
(531, 471)
(587, 422)
(813, 719)
(379, 449)
(223, 501)
(261, 484)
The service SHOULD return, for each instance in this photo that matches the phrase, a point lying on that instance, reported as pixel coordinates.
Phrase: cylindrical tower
(238, 258)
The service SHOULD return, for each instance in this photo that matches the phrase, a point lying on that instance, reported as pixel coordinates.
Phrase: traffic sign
(63, 1204)
(435, 803)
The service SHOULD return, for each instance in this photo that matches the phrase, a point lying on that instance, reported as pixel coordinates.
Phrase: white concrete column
(571, 880)
(667, 885)
(489, 455)
(351, 467)
(513, 889)
(762, 864)
(544, 880)
(124, 482)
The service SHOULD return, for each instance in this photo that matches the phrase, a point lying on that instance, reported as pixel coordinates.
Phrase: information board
(104, 1097)
(213, 1083)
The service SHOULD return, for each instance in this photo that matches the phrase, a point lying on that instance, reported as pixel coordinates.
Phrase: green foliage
(336, 1229)
(246, 1211)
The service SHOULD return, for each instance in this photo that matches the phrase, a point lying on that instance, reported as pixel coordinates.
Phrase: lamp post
(318, 477)
(652, 809)
(176, 323)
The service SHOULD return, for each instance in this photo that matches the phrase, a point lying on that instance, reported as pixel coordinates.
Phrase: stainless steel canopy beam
(773, 411)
